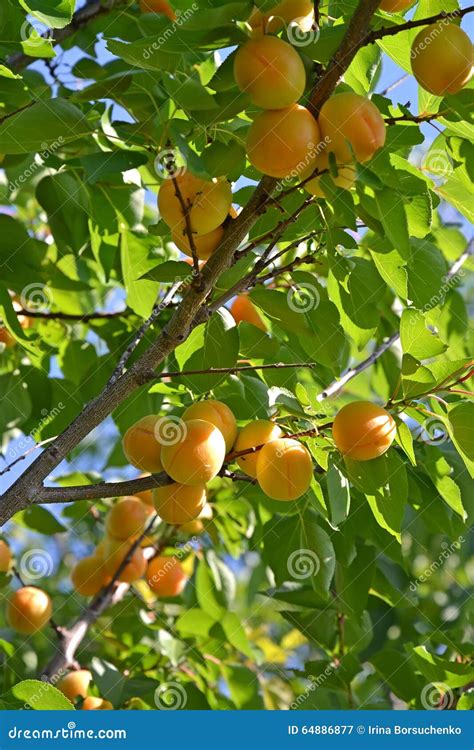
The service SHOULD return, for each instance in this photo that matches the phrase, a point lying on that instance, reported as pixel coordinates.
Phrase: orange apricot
(197, 455)
(179, 503)
(346, 176)
(204, 244)
(75, 684)
(284, 469)
(146, 496)
(197, 525)
(92, 703)
(218, 414)
(29, 610)
(255, 433)
(141, 445)
(282, 142)
(362, 430)
(6, 337)
(394, 6)
(5, 557)
(115, 552)
(283, 13)
(126, 518)
(351, 126)
(244, 311)
(166, 576)
(270, 71)
(442, 58)
(88, 575)
(208, 202)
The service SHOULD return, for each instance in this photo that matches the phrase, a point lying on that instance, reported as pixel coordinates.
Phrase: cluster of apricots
(75, 685)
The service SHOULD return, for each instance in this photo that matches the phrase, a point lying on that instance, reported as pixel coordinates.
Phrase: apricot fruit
(92, 703)
(146, 496)
(217, 414)
(75, 684)
(115, 552)
(362, 430)
(158, 6)
(179, 503)
(6, 337)
(255, 433)
(442, 58)
(270, 71)
(29, 610)
(126, 518)
(5, 557)
(284, 12)
(351, 126)
(284, 469)
(141, 446)
(243, 310)
(394, 6)
(282, 142)
(197, 525)
(197, 456)
(346, 176)
(166, 576)
(205, 244)
(208, 203)
(89, 576)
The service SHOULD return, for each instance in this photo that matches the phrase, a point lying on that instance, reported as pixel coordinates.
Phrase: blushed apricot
(205, 244)
(282, 142)
(395, 6)
(88, 575)
(362, 430)
(351, 123)
(115, 552)
(165, 576)
(270, 71)
(29, 610)
(442, 58)
(5, 557)
(126, 518)
(242, 310)
(218, 414)
(197, 455)
(92, 703)
(209, 202)
(255, 433)
(345, 179)
(283, 13)
(75, 684)
(141, 446)
(284, 469)
(179, 503)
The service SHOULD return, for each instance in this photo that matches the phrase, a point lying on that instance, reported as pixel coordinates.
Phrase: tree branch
(376, 34)
(49, 495)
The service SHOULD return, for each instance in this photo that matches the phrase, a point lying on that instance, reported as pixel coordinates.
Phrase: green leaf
(461, 430)
(398, 673)
(243, 687)
(42, 126)
(436, 669)
(169, 271)
(393, 216)
(36, 695)
(416, 339)
(39, 519)
(339, 493)
(53, 13)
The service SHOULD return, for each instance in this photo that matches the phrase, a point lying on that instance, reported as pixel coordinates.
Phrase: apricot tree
(238, 478)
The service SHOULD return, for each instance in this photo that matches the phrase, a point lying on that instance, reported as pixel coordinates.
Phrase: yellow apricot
(29, 610)
(282, 142)
(442, 58)
(99, 551)
(281, 14)
(141, 446)
(75, 684)
(145, 496)
(88, 575)
(5, 557)
(345, 179)
(394, 6)
(270, 71)
(284, 469)
(349, 121)
(243, 310)
(205, 244)
(115, 552)
(197, 455)
(166, 576)
(126, 518)
(197, 525)
(179, 503)
(209, 202)
(255, 433)
(96, 704)
(217, 414)
(363, 430)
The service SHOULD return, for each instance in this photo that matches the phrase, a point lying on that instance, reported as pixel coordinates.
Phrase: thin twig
(189, 232)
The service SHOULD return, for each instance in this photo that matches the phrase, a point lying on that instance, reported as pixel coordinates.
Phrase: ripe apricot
(6, 337)
(75, 684)
(126, 518)
(204, 244)
(197, 456)
(284, 12)
(255, 433)
(217, 414)
(209, 202)
(243, 310)
(29, 610)
(5, 557)
(442, 58)
(179, 503)
(270, 71)
(284, 469)
(141, 446)
(88, 575)
(282, 142)
(165, 576)
(345, 179)
(394, 6)
(92, 703)
(146, 496)
(197, 525)
(351, 125)
(158, 6)
(115, 552)
(362, 430)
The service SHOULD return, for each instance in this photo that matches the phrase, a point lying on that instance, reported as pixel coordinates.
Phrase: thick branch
(49, 495)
